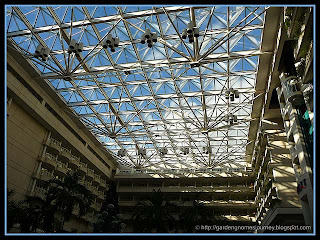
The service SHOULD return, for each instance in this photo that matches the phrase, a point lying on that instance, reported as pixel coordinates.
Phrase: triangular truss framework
(164, 101)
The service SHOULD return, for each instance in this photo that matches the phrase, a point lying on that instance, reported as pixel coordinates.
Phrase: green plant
(109, 221)
(197, 214)
(67, 194)
(154, 215)
(13, 210)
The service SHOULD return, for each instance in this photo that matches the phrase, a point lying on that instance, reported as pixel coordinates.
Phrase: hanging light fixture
(42, 52)
(149, 37)
(142, 152)
(184, 150)
(232, 94)
(206, 150)
(231, 118)
(191, 32)
(111, 42)
(163, 151)
(122, 152)
(75, 47)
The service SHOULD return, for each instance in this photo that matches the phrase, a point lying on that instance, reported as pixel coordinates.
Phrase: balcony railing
(101, 194)
(186, 170)
(82, 168)
(90, 173)
(49, 160)
(61, 168)
(45, 175)
(39, 191)
(74, 162)
(66, 153)
(55, 144)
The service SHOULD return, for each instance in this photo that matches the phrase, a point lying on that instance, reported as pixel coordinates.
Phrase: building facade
(274, 186)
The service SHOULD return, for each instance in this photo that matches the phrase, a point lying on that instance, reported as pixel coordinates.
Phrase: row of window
(54, 113)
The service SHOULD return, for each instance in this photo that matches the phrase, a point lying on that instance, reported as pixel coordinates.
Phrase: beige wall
(24, 145)
(28, 125)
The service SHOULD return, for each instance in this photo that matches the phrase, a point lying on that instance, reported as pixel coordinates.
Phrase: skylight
(171, 96)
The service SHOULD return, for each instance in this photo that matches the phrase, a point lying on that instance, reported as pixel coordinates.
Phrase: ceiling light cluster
(111, 42)
(163, 151)
(122, 152)
(191, 32)
(206, 150)
(75, 47)
(42, 52)
(231, 118)
(184, 150)
(231, 93)
(142, 152)
(149, 37)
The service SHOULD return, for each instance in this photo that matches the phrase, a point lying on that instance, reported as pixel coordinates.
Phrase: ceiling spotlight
(227, 94)
(236, 93)
(232, 118)
(143, 39)
(206, 150)
(196, 32)
(147, 33)
(111, 42)
(75, 47)
(190, 28)
(232, 94)
(149, 37)
(116, 42)
(232, 97)
(191, 32)
(154, 37)
(122, 152)
(184, 33)
(142, 152)
(163, 151)
(184, 150)
(235, 119)
(195, 64)
(42, 52)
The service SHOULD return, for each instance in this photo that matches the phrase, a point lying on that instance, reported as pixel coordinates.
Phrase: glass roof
(169, 96)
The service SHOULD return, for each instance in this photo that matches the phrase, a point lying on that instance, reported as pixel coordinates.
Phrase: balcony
(76, 210)
(61, 169)
(89, 217)
(65, 154)
(83, 182)
(48, 161)
(43, 175)
(94, 191)
(239, 204)
(55, 145)
(101, 195)
(90, 174)
(40, 192)
(96, 179)
(103, 184)
(98, 206)
(268, 201)
(190, 189)
(74, 162)
(82, 168)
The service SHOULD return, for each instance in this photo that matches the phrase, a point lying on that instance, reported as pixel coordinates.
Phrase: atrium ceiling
(188, 103)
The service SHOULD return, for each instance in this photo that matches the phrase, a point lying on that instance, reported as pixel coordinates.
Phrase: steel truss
(140, 97)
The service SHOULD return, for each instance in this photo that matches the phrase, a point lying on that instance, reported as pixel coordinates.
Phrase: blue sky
(139, 96)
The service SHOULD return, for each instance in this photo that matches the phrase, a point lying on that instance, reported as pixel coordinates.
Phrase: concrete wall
(24, 145)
